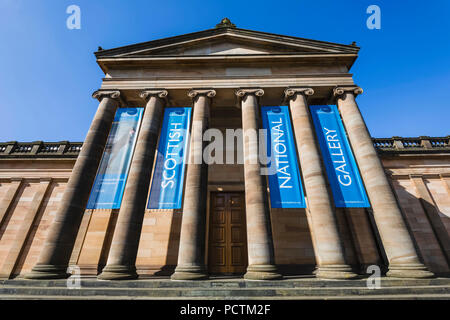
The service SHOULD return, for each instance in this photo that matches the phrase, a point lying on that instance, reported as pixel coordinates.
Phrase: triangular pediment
(227, 41)
(221, 46)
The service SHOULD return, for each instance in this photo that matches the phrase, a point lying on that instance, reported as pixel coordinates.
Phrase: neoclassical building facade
(54, 219)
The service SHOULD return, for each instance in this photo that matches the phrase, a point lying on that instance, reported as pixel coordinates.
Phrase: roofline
(223, 30)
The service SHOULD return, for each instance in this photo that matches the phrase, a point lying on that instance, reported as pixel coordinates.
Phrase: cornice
(233, 82)
(309, 59)
(228, 57)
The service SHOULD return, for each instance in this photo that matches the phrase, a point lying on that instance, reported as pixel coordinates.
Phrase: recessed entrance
(227, 233)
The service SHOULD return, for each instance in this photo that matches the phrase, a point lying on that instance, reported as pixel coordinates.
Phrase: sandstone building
(227, 223)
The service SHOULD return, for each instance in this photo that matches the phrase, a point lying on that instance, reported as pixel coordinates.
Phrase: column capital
(341, 90)
(210, 93)
(146, 94)
(100, 94)
(241, 93)
(291, 92)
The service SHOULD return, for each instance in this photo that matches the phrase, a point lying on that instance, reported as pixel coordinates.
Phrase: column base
(190, 273)
(262, 272)
(44, 271)
(336, 272)
(118, 272)
(417, 270)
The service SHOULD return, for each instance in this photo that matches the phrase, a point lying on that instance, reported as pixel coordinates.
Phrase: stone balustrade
(40, 149)
(421, 144)
(66, 149)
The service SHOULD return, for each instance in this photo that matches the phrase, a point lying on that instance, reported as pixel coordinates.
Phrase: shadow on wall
(293, 247)
(11, 210)
(422, 219)
(172, 246)
(292, 237)
(159, 243)
(5, 237)
(108, 240)
(360, 238)
(20, 267)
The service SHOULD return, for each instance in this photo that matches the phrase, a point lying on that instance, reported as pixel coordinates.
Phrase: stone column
(125, 242)
(261, 258)
(55, 255)
(398, 244)
(328, 244)
(191, 254)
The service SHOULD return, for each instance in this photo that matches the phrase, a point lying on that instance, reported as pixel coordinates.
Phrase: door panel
(219, 235)
(228, 235)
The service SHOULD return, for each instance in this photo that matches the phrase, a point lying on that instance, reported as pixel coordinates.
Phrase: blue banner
(168, 176)
(284, 175)
(346, 183)
(109, 183)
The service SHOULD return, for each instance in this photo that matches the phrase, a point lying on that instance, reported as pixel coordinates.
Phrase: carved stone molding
(147, 93)
(241, 93)
(100, 94)
(210, 93)
(225, 23)
(291, 92)
(339, 91)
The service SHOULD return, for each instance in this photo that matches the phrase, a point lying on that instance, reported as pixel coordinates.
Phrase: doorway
(227, 234)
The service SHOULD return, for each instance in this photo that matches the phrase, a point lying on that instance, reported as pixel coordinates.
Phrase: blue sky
(48, 72)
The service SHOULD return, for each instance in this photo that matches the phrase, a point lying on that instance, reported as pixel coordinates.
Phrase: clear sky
(48, 72)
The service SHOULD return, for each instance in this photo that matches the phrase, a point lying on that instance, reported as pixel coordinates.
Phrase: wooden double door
(227, 234)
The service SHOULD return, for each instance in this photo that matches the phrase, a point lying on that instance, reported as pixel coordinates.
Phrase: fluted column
(398, 244)
(124, 247)
(259, 230)
(191, 253)
(55, 255)
(328, 244)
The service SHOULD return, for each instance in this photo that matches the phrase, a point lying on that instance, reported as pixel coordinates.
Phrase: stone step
(224, 293)
(323, 297)
(228, 283)
(299, 288)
